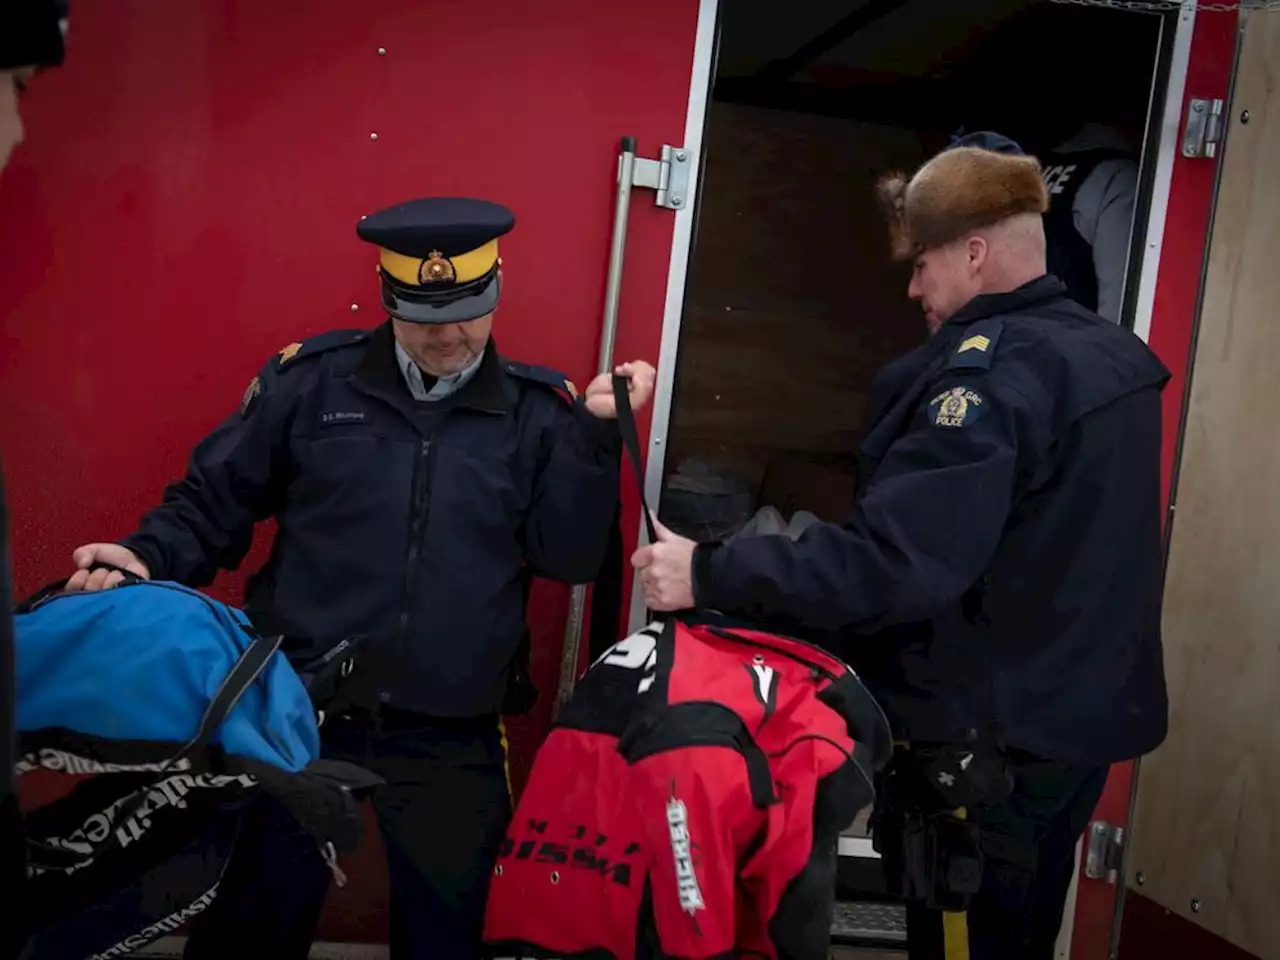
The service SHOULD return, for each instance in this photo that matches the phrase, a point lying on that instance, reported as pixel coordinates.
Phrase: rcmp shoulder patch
(543, 375)
(956, 407)
(321, 343)
(978, 346)
(251, 394)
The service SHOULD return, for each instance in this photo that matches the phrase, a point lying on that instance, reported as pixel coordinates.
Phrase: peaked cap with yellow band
(439, 257)
(959, 190)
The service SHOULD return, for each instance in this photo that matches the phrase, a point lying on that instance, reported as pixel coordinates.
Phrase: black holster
(929, 852)
(931, 859)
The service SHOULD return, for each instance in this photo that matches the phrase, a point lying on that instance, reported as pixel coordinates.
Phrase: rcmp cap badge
(436, 269)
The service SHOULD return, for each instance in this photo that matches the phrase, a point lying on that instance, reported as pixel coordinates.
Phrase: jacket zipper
(419, 508)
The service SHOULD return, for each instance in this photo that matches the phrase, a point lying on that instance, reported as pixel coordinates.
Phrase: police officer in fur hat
(32, 37)
(418, 477)
(998, 582)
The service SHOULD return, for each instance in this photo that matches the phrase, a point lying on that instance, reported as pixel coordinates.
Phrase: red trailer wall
(186, 206)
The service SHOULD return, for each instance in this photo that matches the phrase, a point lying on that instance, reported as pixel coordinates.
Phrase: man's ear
(976, 249)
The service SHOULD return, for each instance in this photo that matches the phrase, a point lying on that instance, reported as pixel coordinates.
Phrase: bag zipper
(215, 606)
(724, 634)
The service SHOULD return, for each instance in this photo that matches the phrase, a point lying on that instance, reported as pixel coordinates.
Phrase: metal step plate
(860, 848)
(869, 923)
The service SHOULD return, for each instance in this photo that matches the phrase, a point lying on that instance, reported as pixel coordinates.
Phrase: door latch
(1102, 858)
(668, 175)
(1203, 129)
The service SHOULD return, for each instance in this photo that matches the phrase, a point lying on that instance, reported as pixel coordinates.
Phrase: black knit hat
(987, 140)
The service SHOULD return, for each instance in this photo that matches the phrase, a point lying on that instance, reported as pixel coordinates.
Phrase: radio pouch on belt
(933, 859)
(931, 853)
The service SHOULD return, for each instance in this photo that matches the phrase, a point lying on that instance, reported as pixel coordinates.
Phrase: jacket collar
(1041, 290)
(485, 391)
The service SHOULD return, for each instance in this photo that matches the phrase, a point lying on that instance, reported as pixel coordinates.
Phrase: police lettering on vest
(1070, 257)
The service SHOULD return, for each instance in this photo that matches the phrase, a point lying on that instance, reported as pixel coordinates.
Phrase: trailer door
(1205, 860)
(1187, 134)
(186, 207)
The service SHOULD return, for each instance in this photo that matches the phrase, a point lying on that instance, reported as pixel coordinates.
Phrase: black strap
(631, 440)
(51, 590)
(241, 676)
(607, 591)
(239, 679)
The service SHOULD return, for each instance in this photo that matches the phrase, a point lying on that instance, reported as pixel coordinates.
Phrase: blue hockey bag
(171, 714)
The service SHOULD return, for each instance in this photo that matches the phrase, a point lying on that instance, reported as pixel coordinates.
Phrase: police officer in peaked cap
(32, 38)
(418, 478)
(998, 581)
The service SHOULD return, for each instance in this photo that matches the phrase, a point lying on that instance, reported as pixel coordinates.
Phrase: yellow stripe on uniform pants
(955, 924)
(506, 756)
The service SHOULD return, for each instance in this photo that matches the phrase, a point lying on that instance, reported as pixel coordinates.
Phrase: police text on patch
(956, 407)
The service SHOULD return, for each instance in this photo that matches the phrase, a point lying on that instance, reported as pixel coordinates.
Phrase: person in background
(32, 37)
(1011, 502)
(417, 478)
(1092, 180)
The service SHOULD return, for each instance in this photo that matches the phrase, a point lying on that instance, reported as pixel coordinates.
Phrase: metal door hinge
(1103, 854)
(668, 175)
(1203, 130)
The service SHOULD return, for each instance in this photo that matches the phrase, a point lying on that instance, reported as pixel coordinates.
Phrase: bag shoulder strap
(631, 440)
(238, 680)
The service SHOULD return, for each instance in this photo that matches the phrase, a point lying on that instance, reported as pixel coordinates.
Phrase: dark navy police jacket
(1004, 561)
(407, 522)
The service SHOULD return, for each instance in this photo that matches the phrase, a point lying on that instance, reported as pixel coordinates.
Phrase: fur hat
(959, 190)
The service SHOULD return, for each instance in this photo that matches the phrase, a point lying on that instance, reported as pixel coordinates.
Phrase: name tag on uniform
(332, 418)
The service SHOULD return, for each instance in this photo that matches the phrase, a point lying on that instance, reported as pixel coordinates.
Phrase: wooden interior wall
(793, 301)
(1207, 825)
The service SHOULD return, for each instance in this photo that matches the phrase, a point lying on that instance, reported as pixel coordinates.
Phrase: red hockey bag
(689, 801)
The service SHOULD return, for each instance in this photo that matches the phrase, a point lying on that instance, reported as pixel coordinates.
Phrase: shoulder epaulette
(978, 345)
(542, 375)
(320, 343)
